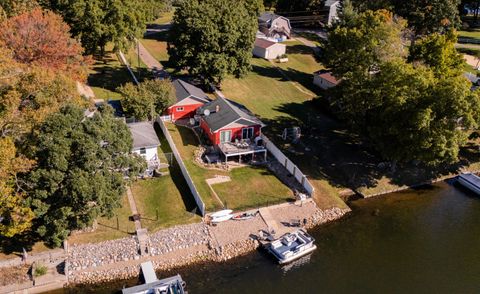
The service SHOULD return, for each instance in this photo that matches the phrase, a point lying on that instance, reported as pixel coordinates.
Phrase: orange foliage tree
(41, 38)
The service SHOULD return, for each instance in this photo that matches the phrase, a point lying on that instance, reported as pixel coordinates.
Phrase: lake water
(419, 241)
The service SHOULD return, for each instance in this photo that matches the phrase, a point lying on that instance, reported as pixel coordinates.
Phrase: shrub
(40, 270)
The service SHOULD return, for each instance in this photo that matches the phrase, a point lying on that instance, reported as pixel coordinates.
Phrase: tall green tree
(361, 44)
(438, 51)
(80, 169)
(147, 100)
(98, 22)
(213, 38)
(408, 114)
(423, 16)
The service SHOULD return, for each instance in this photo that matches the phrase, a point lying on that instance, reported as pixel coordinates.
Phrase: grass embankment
(249, 186)
(469, 34)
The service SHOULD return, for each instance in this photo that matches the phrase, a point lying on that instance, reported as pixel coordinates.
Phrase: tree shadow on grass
(177, 177)
(329, 150)
(16, 244)
(109, 76)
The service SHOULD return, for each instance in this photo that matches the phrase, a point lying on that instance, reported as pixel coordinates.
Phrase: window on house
(143, 151)
(247, 133)
(179, 108)
(225, 136)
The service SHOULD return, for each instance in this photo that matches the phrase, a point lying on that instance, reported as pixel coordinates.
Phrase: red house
(189, 99)
(231, 127)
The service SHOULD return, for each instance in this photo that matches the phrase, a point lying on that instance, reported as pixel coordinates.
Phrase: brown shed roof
(327, 75)
(263, 43)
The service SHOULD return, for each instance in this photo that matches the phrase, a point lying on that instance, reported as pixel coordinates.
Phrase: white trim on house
(234, 122)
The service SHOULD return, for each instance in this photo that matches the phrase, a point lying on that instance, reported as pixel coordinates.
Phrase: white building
(267, 49)
(333, 6)
(324, 79)
(145, 143)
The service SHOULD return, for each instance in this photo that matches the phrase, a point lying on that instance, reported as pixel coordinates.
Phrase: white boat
(470, 181)
(291, 246)
(222, 218)
(221, 213)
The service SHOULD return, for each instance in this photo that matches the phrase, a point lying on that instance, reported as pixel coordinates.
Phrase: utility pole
(138, 57)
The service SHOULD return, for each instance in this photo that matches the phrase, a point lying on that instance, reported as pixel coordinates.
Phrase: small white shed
(145, 142)
(324, 79)
(267, 49)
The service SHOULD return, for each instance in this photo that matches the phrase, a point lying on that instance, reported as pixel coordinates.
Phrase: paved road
(153, 64)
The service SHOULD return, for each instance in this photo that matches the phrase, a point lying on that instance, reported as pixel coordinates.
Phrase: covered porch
(232, 149)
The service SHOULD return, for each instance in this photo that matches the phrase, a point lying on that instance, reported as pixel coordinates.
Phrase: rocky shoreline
(169, 249)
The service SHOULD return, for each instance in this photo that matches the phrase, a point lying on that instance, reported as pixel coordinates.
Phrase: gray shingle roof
(184, 90)
(143, 135)
(268, 16)
(228, 113)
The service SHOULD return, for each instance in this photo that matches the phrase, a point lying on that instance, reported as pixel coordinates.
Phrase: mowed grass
(186, 143)
(107, 228)
(108, 73)
(159, 197)
(165, 17)
(263, 90)
(470, 34)
(252, 187)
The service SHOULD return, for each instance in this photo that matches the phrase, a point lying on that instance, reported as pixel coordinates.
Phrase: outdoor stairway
(267, 217)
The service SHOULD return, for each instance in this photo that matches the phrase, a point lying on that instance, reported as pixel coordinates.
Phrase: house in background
(333, 6)
(189, 99)
(324, 79)
(145, 143)
(267, 49)
(274, 26)
(232, 128)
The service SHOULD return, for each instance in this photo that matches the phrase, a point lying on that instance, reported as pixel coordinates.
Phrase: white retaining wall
(186, 175)
(288, 164)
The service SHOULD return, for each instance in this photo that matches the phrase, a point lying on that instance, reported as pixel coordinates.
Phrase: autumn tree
(97, 23)
(27, 96)
(423, 16)
(80, 169)
(147, 100)
(41, 38)
(213, 38)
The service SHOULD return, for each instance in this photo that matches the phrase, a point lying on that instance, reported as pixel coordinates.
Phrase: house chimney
(217, 108)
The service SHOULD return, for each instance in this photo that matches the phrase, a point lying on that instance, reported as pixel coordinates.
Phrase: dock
(470, 181)
(171, 285)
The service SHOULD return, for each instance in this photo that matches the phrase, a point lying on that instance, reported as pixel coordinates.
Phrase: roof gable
(228, 112)
(143, 135)
(184, 90)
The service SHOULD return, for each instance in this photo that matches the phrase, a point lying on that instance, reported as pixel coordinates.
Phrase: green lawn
(471, 34)
(186, 143)
(264, 90)
(263, 189)
(160, 197)
(108, 73)
(250, 186)
(107, 228)
(166, 17)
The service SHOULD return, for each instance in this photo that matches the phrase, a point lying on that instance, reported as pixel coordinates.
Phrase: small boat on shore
(171, 285)
(291, 246)
(470, 181)
(221, 216)
(244, 216)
